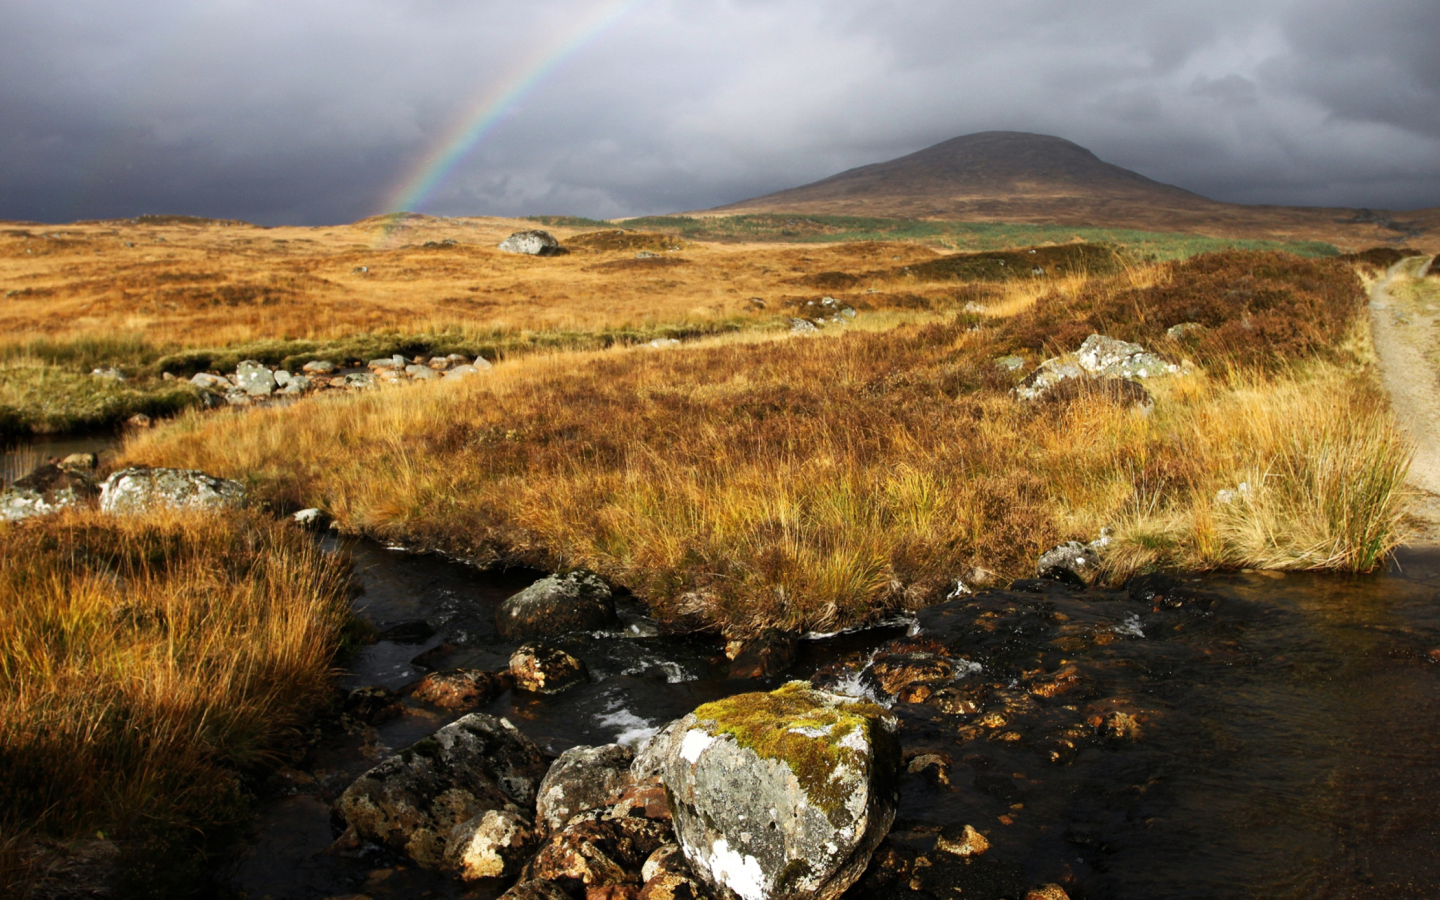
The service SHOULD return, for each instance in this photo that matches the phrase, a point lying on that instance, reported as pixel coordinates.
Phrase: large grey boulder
(413, 801)
(255, 379)
(577, 601)
(782, 795)
(140, 488)
(532, 243)
(49, 488)
(582, 779)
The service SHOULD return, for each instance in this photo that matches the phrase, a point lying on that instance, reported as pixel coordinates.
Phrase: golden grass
(210, 285)
(810, 482)
(146, 661)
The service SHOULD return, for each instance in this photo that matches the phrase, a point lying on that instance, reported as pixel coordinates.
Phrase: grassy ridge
(145, 662)
(809, 483)
(958, 236)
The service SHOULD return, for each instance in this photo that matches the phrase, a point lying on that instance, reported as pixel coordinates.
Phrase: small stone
(582, 779)
(109, 372)
(1184, 330)
(412, 801)
(763, 657)
(546, 669)
(210, 382)
(494, 844)
(460, 371)
(80, 462)
(141, 489)
(360, 381)
(803, 326)
(420, 373)
(535, 890)
(167, 376)
(1010, 363)
(461, 688)
(1047, 892)
(314, 519)
(438, 363)
(139, 421)
(318, 367)
(282, 377)
(559, 604)
(965, 842)
(255, 379)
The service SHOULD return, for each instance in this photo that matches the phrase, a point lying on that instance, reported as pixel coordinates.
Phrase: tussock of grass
(146, 661)
(806, 483)
(40, 398)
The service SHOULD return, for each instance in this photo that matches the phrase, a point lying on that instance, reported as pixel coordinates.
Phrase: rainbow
(493, 104)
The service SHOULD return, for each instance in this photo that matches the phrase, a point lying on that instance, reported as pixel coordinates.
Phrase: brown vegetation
(763, 481)
(146, 663)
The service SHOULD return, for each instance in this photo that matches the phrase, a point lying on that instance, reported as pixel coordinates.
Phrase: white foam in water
(1130, 627)
(888, 622)
(674, 672)
(631, 729)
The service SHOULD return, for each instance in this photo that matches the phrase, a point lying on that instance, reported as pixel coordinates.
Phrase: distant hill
(1010, 176)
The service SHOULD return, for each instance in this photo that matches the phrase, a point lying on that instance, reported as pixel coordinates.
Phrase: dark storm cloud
(318, 110)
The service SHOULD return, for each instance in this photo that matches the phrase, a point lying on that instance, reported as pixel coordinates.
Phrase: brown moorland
(762, 480)
(1004, 176)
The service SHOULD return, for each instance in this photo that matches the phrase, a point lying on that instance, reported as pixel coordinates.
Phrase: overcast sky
(321, 111)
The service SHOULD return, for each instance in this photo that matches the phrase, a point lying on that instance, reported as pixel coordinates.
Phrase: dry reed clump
(808, 483)
(145, 662)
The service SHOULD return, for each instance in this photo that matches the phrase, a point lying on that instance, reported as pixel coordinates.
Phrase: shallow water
(1289, 748)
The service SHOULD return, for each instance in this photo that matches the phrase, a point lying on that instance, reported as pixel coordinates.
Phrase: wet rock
(582, 779)
(255, 379)
(318, 367)
(911, 670)
(782, 795)
(963, 842)
(1047, 892)
(934, 767)
(140, 488)
(763, 657)
(370, 705)
(1117, 719)
(531, 243)
(461, 688)
(47, 489)
(494, 844)
(613, 892)
(536, 890)
(546, 669)
(596, 851)
(412, 801)
(559, 604)
(670, 886)
(1066, 681)
(946, 875)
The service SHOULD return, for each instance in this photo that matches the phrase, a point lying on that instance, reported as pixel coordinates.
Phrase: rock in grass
(531, 243)
(1099, 357)
(413, 801)
(140, 488)
(206, 381)
(582, 779)
(782, 795)
(559, 604)
(49, 488)
(255, 379)
(546, 669)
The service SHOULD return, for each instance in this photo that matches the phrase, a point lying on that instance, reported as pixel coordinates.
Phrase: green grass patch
(38, 398)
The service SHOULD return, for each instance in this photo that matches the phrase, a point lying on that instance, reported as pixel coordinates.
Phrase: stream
(1288, 746)
(1249, 735)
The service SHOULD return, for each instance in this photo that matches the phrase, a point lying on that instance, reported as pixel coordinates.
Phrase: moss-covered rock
(782, 795)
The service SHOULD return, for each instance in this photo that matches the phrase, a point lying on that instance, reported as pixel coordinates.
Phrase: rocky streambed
(1235, 735)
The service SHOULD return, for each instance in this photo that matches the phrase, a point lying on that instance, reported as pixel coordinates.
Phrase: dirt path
(1404, 311)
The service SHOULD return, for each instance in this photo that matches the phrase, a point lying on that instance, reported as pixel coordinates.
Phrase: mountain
(1010, 176)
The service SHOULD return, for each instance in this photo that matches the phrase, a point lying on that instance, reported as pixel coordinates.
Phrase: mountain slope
(1018, 177)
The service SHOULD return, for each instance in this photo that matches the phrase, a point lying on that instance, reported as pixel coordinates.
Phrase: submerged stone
(782, 795)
